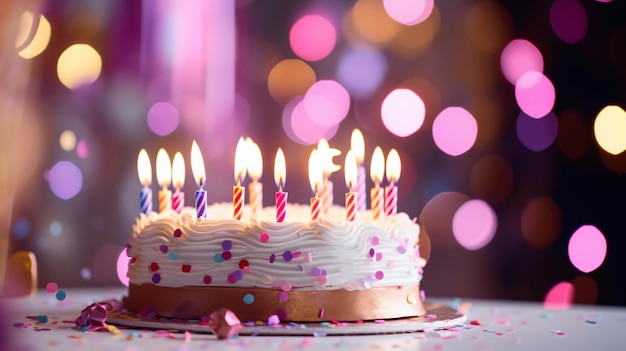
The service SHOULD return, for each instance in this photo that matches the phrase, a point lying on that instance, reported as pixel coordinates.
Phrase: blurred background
(507, 115)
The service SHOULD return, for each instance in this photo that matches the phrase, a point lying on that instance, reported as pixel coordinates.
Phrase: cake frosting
(259, 267)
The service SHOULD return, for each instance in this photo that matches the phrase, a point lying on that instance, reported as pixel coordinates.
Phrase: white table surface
(504, 325)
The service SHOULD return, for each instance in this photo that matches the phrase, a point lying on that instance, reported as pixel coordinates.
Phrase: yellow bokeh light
(609, 129)
(413, 41)
(371, 21)
(290, 78)
(78, 65)
(29, 44)
(67, 140)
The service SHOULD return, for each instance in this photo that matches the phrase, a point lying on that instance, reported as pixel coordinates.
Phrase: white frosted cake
(298, 270)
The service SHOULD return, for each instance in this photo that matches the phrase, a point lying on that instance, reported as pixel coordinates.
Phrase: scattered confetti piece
(52, 287)
(227, 245)
(61, 295)
(264, 237)
(475, 322)
(248, 299)
(207, 279)
(224, 324)
(273, 320)
(178, 233)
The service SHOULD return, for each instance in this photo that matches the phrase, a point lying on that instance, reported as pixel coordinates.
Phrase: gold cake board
(437, 317)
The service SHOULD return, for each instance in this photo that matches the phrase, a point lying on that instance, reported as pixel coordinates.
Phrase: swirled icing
(298, 253)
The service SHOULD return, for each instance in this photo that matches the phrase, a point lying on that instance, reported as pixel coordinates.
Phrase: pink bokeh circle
(403, 112)
(519, 57)
(312, 37)
(327, 103)
(587, 248)
(534, 94)
(455, 131)
(474, 224)
(560, 296)
(122, 267)
(409, 12)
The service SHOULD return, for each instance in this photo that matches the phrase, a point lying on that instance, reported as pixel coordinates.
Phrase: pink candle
(377, 171)
(279, 177)
(393, 174)
(351, 196)
(178, 177)
(144, 170)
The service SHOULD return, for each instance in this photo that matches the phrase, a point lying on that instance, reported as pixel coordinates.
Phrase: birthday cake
(298, 270)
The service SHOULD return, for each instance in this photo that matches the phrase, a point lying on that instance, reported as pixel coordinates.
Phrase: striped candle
(351, 201)
(391, 199)
(145, 200)
(315, 208)
(165, 200)
(201, 203)
(238, 195)
(281, 205)
(326, 196)
(178, 201)
(377, 195)
(255, 196)
(178, 179)
(360, 188)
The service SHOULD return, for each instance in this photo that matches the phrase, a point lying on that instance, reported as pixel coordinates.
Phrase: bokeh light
(491, 178)
(488, 25)
(454, 130)
(587, 248)
(560, 297)
(312, 37)
(55, 228)
(542, 221)
(78, 65)
(67, 140)
(361, 70)
(82, 149)
(85, 273)
(39, 41)
(327, 103)
(163, 118)
(403, 112)
(535, 94)
(568, 19)
(304, 127)
(65, 180)
(290, 78)
(122, 267)
(372, 23)
(518, 57)
(536, 134)
(21, 228)
(474, 224)
(437, 215)
(409, 12)
(609, 129)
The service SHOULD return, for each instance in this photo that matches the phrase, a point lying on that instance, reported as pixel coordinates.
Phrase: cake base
(437, 317)
(258, 304)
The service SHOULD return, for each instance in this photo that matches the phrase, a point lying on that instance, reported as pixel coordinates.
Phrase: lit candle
(377, 171)
(144, 170)
(178, 178)
(197, 168)
(325, 158)
(279, 177)
(315, 179)
(357, 145)
(393, 174)
(255, 169)
(240, 175)
(351, 196)
(164, 177)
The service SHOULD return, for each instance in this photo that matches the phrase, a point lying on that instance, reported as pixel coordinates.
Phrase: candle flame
(393, 166)
(241, 154)
(280, 169)
(178, 171)
(357, 145)
(255, 159)
(144, 168)
(377, 167)
(197, 165)
(325, 156)
(350, 170)
(315, 171)
(163, 168)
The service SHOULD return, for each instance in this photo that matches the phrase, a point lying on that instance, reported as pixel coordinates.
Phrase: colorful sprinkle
(218, 258)
(52, 287)
(264, 237)
(391, 264)
(154, 267)
(207, 279)
(309, 257)
(281, 314)
(273, 320)
(272, 258)
(61, 295)
(42, 319)
(227, 245)
(322, 313)
(246, 269)
(316, 272)
(379, 256)
(401, 249)
(226, 255)
(287, 256)
(163, 248)
(156, 278)
(285, 286)
(475, 322)
(297, 254)
(322, 280)
(283, 296)
(243, 263)
(172, 256)
(379, 275)
(248, 299)
(372, 252)
(238, 275)
(178, 233)
(375, 241)
(186, 268)
(431, 316)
